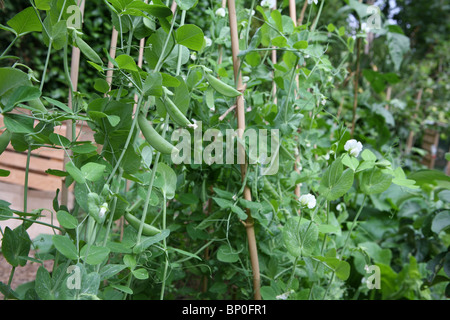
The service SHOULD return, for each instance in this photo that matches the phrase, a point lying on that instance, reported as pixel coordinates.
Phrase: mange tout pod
(175, 113)
(153, 137)
(147, 229)
(222, 87)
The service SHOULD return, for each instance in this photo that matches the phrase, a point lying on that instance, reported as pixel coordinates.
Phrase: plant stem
(9, 47)
(355, 86)
(46, 64)
(345, 243)
(166, 265)
(11, 275)
(25, 186)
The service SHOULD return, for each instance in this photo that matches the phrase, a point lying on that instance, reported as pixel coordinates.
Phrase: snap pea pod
(222, 87)
(147, 229)
(153, 137)
(175, 113)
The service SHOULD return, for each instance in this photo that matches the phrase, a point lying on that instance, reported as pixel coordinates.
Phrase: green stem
(46, 64)
(161, 57)
(9, 47)
(11, 275)
(25, 186)
(166, 265)
(346, 243)
(34, 221)
(183, 16)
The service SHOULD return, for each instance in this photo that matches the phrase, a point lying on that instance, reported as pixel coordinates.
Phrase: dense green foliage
(344, 105)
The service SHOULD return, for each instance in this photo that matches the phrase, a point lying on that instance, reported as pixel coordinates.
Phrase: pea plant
(158, 213)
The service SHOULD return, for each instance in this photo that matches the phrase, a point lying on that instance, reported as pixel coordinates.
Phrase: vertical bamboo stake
(240, 111)
(410, 140)
(70, 134)
(302, 13)
(355, 86)
(292, 11)
(112, 53)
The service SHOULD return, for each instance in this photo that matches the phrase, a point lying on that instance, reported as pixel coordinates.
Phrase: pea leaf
(75, 173)
(25, 21)
(65, 246)
(15, 244)
(126, 62)
(186, 4)
(93, 171)
(300, 238)
(441, 221)
(225, 254)
(335, 183)
(167, 180)
(375, 181)
(66, 220)
(190, 36)
(95, 255)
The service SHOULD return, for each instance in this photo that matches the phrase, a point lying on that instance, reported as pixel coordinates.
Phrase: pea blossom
(103, 210)
(353, 147)
(208, 41)
(268, 3)
(221, 12)
(308, 200)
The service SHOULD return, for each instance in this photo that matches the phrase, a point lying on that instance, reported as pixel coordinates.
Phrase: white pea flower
(268, 3)
(194, 125)
(327, 156)
(284, 296)
(221, 12)
(234, 197)
(193, 56)
(324, 101)
(353, 147)
(245, 79)
(103, 210)
(339, 207)
(311, 1)
(208, 41)
(308, 200)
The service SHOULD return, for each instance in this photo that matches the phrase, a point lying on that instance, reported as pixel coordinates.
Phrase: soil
(22, 275)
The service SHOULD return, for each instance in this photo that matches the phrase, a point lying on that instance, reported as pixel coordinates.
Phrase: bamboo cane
(74, 70)
(240, 111)
(410, 140)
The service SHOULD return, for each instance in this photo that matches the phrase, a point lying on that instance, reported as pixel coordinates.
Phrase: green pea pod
(94, 203)
(147, 229)
(5, 138)
(222, 87)
(153, 137)
(88, 51)
(176, 114)
(268, 187)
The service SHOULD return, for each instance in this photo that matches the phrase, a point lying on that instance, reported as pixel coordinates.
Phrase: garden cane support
(240, 111)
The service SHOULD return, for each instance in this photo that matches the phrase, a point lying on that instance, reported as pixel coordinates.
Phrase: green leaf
(75, 173)
(10, 79)
(441, 221)
(101, 85)
(148, 241)
(140, 273)
(169, 81)
(60, 105)
(398, 45)
(186, 4)
(16, 243)
(122, 288)
(25, 21)
(225, 254)
(302, 44)
(95, 255)
(66, 220)
(93, 171)
(300, 239)
(43, 284)
(84, 148)
(110, 270)
(167, 180)
(335, 183)
(126, 62)
(191, 255)
(331, 27)
(22, 94)
(17, 123)
(368, 155)
(190, 36)
(65, 246)
(374, 181)
(43, 4)
(350, 162)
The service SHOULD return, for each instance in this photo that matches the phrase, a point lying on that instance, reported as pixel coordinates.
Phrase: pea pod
(268, 187)
(5, 138)
(153, 137)
(147, 229)
(222, 87)
(176, 114)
